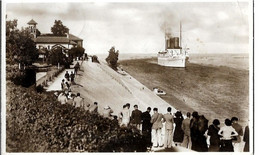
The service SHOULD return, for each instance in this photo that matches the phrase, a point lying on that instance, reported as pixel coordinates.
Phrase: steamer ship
(173, 55)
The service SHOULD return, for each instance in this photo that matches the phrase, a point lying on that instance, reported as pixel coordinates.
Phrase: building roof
(50, 39)
(73, 42)
(72, 37)
(32, 22)
(55, 39)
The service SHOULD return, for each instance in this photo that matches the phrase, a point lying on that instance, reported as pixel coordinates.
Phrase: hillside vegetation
(38, 123)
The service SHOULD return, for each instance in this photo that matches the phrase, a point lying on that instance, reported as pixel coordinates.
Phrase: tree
(59, 29)
(57, 56)
(76, 52)
(112, 58)
(20, 48)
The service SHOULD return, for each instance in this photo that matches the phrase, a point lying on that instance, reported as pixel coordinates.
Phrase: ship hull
(172, 61)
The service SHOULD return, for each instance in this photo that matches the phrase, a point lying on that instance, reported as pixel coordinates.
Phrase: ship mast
(165, 39)
(180, 38)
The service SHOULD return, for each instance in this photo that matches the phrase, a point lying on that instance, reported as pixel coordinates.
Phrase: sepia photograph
(148, 76)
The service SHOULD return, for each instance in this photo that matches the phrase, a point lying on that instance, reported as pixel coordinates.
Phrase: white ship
(173, 55)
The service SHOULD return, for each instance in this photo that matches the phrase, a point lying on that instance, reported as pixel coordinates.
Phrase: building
(50, 42)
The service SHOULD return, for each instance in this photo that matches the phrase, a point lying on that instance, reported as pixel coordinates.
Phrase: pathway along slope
(99, 83)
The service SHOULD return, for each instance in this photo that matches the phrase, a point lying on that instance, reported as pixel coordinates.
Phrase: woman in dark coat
(178, 132)
(198, 127)
(213, 137)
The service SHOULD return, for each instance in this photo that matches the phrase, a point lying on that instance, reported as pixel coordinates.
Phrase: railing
(51, 74)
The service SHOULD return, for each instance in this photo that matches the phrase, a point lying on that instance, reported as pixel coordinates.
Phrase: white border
(3, 67)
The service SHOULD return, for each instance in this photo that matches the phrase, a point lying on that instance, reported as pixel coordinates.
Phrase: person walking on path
(78, 101)
(125, 115)
(76, 68)
(186, 129)
(107, 112)
(72, 76)
(147, 126)
(156, 120)
(67, 76)
(237, 140)
(94, 108)
(246, 139)
(178, 132)
(63, 85)
(213, 139)
(168, 118)
(136, 117)
(227, 132)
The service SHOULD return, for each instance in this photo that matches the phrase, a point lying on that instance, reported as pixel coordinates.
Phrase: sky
(207, 27)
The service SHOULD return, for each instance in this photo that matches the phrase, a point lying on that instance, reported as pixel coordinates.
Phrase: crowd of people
(192, 132)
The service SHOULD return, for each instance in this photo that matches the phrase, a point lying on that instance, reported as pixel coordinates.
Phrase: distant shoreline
(232, 60)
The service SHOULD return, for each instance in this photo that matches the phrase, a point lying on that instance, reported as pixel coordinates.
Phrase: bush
(112, 58)
(24, 77)
(38, 122)
(95, 59)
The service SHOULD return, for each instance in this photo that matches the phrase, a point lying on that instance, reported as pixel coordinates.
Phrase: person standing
(178, 132)
(63, 85)
(72, 76)
(136, 117)
(78, 101)
(198, 127)
(237, 140)
(227, 132)
(156, 120)
(147, 126)
(125, 115)
(62, 98)
(71, 98)
(246, 139)
(94, 108)
(213, 139)
(67, 76)
(168, 118)
(107, 112)
(76, 68)
(186, 129)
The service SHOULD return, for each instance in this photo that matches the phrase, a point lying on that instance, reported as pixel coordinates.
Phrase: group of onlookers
(192, 132)
(77, 101)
